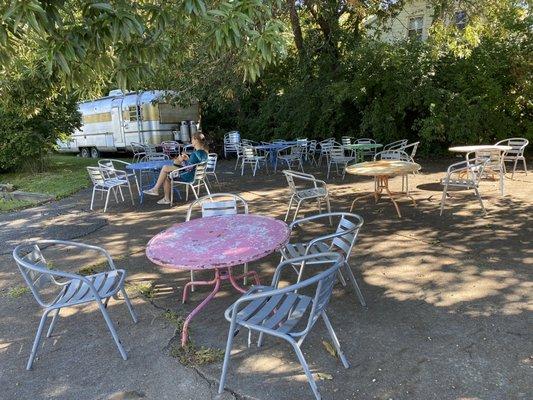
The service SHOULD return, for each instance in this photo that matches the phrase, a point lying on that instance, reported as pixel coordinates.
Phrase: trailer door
(118, 128)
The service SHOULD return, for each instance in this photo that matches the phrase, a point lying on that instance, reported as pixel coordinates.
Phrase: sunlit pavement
(449, 302)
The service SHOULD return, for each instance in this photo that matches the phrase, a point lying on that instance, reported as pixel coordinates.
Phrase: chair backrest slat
(96, 174)
(212, 162)
(219, 204)
(349, 225)
(200, 171)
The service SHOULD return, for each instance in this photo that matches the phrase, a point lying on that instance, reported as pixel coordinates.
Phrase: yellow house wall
(397, 27)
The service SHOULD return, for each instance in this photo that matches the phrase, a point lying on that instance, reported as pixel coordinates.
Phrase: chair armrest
(175, 173)
(273, 290)
(125, 163)
(83, 246)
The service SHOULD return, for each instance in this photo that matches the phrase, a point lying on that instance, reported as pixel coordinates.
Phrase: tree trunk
(296, 28)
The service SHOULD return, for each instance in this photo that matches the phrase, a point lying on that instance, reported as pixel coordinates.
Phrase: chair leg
(514, 167)
(335, 340)
(245, 275)
(121, 194)
(297, 209)
(130, 306)
(53, 323)
(107, 199)
(525, 166)
(340, 276)
(443, 200)
(305, 367)
(192, 280)
(131, 193)
(137, 184)
(36, 341)
(92, 197)
(227, 356)
(289, 208)
(355, 285)
(328, 205)
(480, 201)
(112, 330)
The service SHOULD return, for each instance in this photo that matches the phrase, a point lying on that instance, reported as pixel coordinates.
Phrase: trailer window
(169, 114)
(133, 113)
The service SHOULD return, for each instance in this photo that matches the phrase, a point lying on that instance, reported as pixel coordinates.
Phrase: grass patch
(190, 355)
(174, 319)
(92, 269)
(146, 289)
(12, 205)
(18, 291)
(64, 175)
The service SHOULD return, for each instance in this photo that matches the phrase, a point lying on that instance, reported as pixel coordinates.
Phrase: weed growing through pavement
(17, 291)
(190, 355)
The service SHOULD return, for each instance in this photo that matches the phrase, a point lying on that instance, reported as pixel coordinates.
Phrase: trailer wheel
(94, 152)
(85, 153)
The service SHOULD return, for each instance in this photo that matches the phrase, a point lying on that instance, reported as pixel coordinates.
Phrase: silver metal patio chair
(195, 185)
(231, 140)
(250, 157)
(120, 165)
(516, 153)
(238, 154)
(396, 155)
(211, 167)
(395, 145)
(464, 174)
(305, 187)
(346, 140)
(368, 152)
(325, 147)
(155, 157)
(171, 148)
(410, 149)
(219, 204)
(55, 290)
(304, 145)
(107, 181)
(311, 151)
(138, 151)
(290, 155)
(338, 158)
(285, 313)
(341, 241)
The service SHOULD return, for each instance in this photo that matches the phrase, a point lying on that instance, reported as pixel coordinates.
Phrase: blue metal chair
(285, 313)
(70, 289)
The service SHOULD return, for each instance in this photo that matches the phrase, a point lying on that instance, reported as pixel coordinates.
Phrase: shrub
(33, 115)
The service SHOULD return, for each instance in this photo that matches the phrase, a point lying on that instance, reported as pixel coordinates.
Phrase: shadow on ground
(449, 312)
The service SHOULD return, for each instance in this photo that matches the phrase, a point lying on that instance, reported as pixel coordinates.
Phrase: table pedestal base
(382, 184)
(221, 274)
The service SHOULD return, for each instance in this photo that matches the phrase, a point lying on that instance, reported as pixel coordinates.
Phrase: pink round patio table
(218, 243)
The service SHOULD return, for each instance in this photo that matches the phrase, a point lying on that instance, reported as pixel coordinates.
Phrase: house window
(416, 26)
(461, 19)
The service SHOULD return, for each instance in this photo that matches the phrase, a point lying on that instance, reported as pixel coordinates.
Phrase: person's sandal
(163, 201)
(151, 192)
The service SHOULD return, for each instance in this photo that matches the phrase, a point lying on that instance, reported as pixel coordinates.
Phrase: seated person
(197, 156)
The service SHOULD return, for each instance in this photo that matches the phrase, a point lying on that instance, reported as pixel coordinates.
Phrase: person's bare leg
(160, 180)
(166, 189)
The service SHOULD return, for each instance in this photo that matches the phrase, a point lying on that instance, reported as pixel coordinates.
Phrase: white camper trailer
(112, 123)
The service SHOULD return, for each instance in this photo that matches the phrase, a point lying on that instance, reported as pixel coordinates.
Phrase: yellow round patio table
(382, 170)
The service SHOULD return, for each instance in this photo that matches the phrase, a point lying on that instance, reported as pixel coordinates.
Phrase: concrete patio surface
(449, 298)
